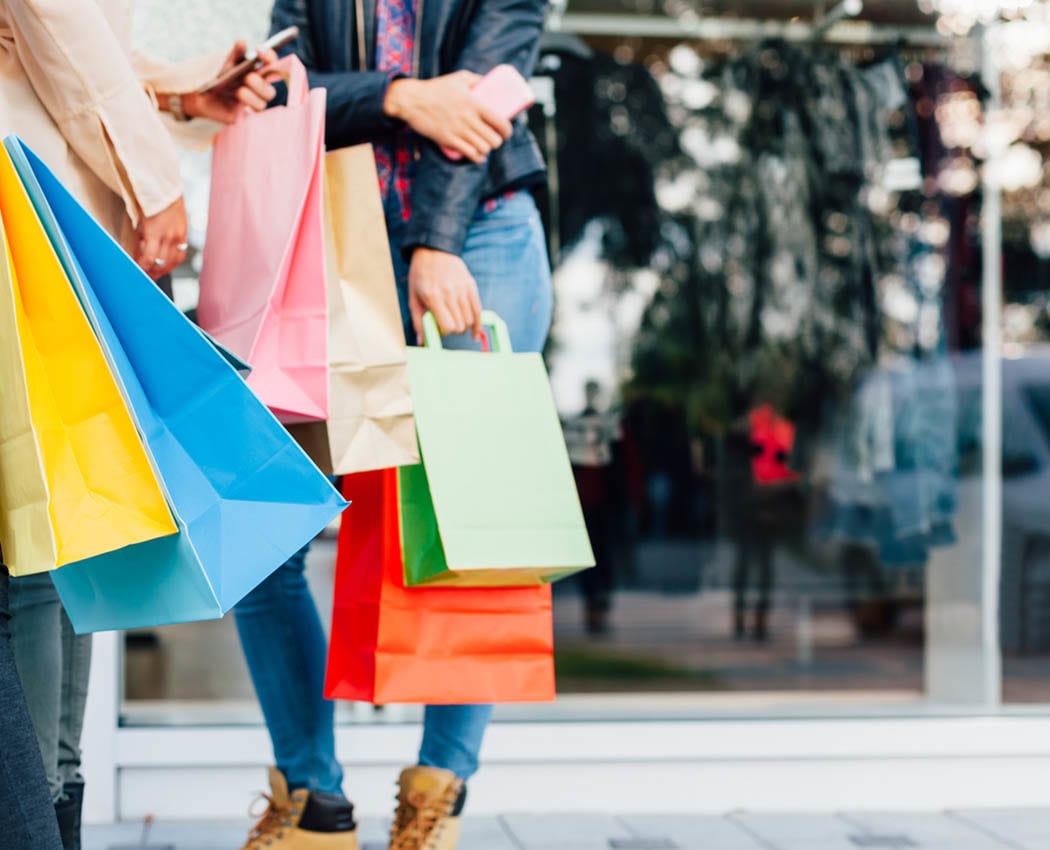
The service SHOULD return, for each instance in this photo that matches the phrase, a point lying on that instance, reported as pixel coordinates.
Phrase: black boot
(75, 792)
(66, 812)
(597, 622)
(739, 622)
(761, 633)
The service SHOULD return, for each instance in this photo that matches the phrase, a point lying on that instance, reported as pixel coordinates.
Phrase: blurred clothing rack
(690, 26)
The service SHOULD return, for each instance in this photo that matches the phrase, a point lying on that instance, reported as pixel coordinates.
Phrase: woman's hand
(441, 283)
(444, 111)
(254, 91)
(162, 240)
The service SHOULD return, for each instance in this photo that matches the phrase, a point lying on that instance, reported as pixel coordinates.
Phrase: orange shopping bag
(436, 645)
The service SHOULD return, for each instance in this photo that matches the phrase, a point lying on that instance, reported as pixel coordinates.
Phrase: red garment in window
(774, 439)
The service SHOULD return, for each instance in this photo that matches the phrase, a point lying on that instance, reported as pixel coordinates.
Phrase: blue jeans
(54, 663)
(280, 629)
(27, 816)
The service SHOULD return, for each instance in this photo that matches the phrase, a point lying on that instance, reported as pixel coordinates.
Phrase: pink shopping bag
(263, 286)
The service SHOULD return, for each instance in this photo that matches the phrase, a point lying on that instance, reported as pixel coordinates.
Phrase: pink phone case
(505, 92)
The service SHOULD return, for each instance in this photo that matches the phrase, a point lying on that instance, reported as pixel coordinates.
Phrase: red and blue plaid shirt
(395, 48)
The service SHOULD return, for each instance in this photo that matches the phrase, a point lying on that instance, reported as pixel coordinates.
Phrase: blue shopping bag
(245, 496)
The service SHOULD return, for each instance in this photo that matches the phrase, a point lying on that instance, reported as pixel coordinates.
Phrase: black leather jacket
(475, 35)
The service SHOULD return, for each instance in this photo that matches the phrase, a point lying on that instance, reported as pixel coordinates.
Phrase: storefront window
(767, 355)
(764, 345)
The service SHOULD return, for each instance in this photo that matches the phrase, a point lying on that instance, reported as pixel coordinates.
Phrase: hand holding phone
(232, 76)
(504, 91)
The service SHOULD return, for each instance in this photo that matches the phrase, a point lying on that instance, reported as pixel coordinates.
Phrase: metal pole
(101, 724)
(746, 29)
(992, 398)
(556, 14)
(845, 9)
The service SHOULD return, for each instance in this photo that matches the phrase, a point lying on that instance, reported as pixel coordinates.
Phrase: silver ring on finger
(159, 262)
(182, 246)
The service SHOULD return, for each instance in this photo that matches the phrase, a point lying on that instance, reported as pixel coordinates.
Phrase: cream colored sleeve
(169, 78)
(177, 78)
(85, 80)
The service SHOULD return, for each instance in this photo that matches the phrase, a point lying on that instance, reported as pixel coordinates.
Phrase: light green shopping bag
(493, 503)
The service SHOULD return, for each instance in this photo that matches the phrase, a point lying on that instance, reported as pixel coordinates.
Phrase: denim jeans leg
(506, 253)
(452, 736)
(36, 640)
(285, 647)
(27, 816)
(76, 671)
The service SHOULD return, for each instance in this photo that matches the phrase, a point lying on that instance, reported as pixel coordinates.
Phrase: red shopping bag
(436, 645)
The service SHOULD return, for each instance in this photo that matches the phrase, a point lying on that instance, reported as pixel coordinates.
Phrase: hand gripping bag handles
(494, 502)
(263, 290)
(244, 495)
(370, 423)
(75, 480)
(391, 643)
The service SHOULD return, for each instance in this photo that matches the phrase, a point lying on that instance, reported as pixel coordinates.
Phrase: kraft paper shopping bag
(370, 423)
(244, 494)
(494, 502)
(263, 293)
(75, 479)
(391, 643)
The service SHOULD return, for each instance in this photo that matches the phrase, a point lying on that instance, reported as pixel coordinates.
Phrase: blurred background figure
(763, 479)
(590, 438)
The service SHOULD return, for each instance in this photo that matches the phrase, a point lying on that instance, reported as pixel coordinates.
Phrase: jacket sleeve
(355, 98)
(179, 78)
(446, 194)
(82, 75)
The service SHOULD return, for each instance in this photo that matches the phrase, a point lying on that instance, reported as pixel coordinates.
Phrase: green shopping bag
(493, 503)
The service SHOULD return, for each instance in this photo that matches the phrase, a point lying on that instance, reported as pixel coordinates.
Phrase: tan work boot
(303, 820)
(427, 815)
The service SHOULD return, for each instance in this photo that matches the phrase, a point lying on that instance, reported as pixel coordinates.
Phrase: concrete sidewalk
(979, 830)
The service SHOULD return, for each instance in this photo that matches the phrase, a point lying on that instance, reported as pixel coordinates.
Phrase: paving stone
(181, 836)
(791, 831)
(373, 833)
(485, 834)
(479, 833)
(564, 831)
(965, 844)
(1029, 828)
(1024, 829)
(925, 829)
(839, 842)
(693, 832)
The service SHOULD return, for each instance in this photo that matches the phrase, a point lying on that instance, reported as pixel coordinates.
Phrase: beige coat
(71, 89)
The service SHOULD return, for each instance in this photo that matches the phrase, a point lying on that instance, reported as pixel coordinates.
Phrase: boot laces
(271, 825)
(421, 818)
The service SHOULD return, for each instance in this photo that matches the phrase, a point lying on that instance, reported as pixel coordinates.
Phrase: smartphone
(505, 92)
(250, 62)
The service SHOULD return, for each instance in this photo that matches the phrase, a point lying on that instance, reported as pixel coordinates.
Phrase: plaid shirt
(395, 46)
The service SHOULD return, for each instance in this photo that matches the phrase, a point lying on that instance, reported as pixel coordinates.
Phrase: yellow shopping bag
(75, 480)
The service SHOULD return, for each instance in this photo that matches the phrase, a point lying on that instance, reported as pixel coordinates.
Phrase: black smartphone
(250, 62)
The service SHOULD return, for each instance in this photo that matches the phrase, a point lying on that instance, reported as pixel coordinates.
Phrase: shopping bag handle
(294, 72)
(290, 69)
(495, 338)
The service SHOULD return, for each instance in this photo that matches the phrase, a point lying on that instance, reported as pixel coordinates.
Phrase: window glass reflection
(766, 357)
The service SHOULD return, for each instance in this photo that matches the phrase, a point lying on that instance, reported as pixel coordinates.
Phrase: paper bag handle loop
(290, 69)
(496, 338)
